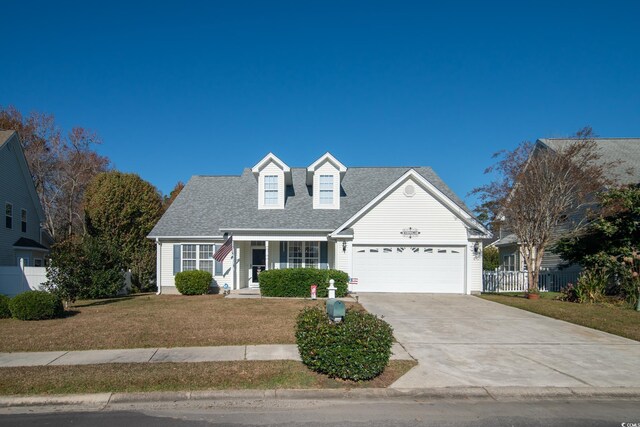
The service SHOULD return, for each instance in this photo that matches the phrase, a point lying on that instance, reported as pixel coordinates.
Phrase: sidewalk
(157, 355)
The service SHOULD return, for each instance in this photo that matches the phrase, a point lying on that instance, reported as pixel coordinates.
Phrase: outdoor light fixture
(476, 248)
(344, 246)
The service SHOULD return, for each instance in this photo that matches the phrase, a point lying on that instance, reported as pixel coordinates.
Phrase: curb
(499, 394)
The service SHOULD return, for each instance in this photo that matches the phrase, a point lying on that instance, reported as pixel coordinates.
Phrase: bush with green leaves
(36, 305)
(357, 349)
(296, 282)
(590, 288)
(193, 282)
(4, 307)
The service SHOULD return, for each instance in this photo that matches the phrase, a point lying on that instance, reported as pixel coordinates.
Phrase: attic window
(326, 189)
(271, 190)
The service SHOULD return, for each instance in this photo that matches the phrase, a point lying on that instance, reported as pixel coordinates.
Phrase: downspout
(158, 266)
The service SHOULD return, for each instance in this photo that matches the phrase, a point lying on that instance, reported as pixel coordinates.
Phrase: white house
(394, 229)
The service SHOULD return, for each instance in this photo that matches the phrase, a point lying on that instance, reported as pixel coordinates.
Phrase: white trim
(181, 238)
(28, 248)
(282, 238)
(441, 197)
(307, 230)
(270, 158)
(342, 169)
(158, 266)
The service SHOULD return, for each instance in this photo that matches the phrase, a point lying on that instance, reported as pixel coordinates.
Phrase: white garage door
(408, 269)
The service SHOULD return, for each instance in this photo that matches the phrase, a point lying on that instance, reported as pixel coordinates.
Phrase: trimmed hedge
(296, 282)
(356, 349)
(36, 305)
(4, 307)
(193, 282)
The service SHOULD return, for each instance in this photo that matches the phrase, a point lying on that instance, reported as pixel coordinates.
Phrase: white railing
(17, 279)
(518, 281)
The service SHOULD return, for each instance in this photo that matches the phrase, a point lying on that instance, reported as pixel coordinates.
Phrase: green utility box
(335, 309)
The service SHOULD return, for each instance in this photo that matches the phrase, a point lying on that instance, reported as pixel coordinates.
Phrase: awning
(24, 243)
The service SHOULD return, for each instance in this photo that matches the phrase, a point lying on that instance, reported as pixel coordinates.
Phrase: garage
(419, 269)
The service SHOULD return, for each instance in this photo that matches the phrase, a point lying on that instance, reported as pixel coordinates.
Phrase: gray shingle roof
(623, 150)
(209, 203)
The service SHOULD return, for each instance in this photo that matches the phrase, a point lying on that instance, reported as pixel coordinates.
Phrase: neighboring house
(623, 152)
(394, 229)
(21, 235)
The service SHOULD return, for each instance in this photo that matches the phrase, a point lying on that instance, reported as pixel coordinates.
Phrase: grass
(145, 377)
(609, 317)
(158, 321)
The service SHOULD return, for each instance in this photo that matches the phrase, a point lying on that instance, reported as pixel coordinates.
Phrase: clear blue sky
(183, 88)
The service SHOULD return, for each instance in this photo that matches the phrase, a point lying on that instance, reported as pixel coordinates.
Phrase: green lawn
(615, 318)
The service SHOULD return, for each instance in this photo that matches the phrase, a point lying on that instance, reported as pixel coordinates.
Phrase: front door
(258, 264)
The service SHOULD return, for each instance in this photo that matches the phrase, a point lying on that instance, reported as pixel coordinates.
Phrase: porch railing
(518, 281)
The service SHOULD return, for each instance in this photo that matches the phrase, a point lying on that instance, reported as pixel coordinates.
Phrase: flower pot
(533, 296)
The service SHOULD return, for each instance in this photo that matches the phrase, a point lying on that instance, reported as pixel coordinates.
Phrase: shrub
(590, 288)
(296, 282)
(4, 307)
(356, 349)
(36, 305)
(193, 282)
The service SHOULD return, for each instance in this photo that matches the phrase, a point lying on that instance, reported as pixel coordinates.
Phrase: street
(403, 412)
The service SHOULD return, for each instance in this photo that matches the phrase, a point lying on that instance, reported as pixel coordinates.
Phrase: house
(21, 234)
(392, 229)
(624, 153)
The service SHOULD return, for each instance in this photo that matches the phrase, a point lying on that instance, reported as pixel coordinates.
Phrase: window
(304, 254)
(37, 262)
(8, 215)
(326, 189)
(205, 259)
(509, 262)
(271, 190)
(23, 217)
(189, 257)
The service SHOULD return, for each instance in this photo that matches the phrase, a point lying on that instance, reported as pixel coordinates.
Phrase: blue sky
(183, 88)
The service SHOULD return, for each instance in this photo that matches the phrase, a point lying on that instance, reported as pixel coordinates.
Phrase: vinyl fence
(17, 279)
(518, 281)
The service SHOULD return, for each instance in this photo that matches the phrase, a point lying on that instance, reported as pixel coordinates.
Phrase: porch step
(245, 293)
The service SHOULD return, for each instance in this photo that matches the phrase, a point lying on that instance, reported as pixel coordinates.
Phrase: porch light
(344, 246)
(476, 248)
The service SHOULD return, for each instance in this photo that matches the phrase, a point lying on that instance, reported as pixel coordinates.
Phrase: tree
(612, 240)
(61, 166)
(490, 258)
(542, 194)
(168, 200)
(120, 210)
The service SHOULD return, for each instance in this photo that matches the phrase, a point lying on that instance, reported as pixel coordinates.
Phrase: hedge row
(296, 282)
(358, 348)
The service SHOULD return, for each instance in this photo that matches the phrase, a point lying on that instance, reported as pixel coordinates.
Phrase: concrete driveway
(462, 340)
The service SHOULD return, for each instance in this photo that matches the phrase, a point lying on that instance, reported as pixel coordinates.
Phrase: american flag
(224, 250)
(353, 281)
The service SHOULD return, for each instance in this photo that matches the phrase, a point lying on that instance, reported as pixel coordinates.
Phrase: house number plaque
(410, 232)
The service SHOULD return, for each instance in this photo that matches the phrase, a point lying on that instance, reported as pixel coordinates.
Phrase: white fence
(17, 279)
(518, 281)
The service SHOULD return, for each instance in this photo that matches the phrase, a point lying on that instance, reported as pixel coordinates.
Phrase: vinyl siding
(474, 269)
(271, 169)
(14, 188)
(326, 169)
(384, 223)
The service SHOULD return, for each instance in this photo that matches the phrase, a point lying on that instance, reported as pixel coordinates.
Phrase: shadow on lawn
(103, 301)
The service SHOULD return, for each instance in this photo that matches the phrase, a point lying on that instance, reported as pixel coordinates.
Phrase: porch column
(266, 254)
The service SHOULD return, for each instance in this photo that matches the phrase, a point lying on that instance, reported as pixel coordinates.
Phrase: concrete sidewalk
(157, 355)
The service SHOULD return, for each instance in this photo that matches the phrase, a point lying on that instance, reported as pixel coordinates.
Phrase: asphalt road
(350, 413)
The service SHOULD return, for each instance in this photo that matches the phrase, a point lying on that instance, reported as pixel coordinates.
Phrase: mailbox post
(332, 289)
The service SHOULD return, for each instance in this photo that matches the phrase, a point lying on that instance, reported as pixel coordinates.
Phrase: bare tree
(542, 194)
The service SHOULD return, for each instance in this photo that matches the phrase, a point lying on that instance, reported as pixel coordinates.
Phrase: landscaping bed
(613, 317)
(146, 377)
(151, 320)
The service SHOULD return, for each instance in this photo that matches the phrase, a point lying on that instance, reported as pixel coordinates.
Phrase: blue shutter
(324, 255)
(177, 253)
(283, 254)
(219, 271)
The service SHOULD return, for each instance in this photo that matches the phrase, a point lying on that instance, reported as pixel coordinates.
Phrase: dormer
(273, 176)
(324, 176)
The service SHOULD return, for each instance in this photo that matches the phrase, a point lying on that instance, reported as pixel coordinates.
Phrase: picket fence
(518, 281)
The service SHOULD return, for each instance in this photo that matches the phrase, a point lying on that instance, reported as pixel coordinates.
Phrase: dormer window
(324, 177)
(271, 190)
(326, 190)
(272, 176)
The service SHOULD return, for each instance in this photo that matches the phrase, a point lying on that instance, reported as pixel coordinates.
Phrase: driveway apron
(462, 340)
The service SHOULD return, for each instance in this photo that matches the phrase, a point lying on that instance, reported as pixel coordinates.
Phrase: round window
(409, 190)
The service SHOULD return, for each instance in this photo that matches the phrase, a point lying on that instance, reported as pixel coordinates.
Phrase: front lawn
(607, 317)
(145, 377)
(158, 321)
